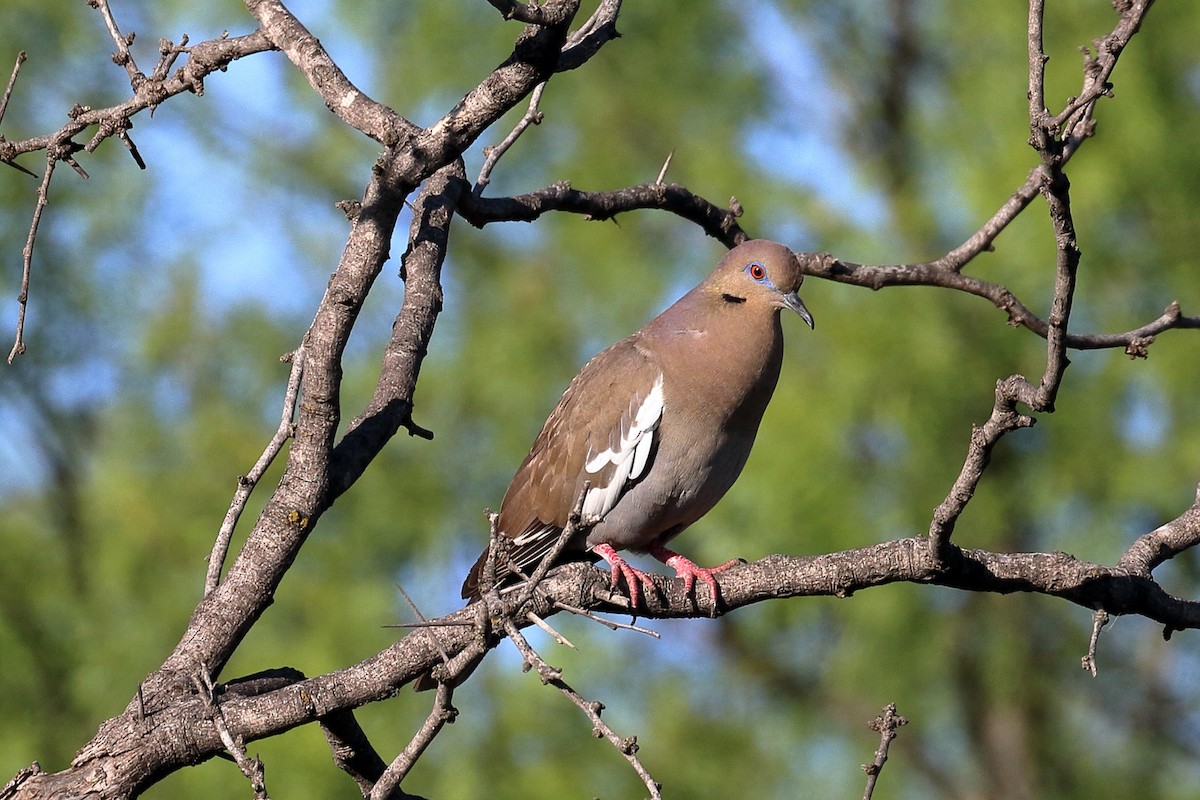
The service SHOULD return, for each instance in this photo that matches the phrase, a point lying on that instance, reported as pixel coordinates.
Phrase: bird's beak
(793, 301)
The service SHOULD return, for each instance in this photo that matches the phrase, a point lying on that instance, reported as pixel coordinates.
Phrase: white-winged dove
(658, 426)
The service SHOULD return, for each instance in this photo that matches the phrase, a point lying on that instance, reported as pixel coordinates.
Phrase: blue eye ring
(757, 272)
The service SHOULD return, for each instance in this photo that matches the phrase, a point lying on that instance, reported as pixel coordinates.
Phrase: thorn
(662, 173)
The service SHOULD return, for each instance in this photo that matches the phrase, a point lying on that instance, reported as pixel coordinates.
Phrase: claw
(621, 569)
(688, 570)
(684, 568)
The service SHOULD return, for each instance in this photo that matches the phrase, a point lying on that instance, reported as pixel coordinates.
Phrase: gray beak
(793, 301)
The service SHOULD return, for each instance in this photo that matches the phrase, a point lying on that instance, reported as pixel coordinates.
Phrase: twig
(437, 643)
(1004, 420)
(492, 154)
(610, 624)
(943, 273)
(122, 57)
(43, 194)
(12, 80)
(545, 626)
(168, 53)
(59, 145)
(1074, 123)
(443, 712)
(252, 768)
(246, 483)
(1056, 190)
(576, 525)
(391, 405)
(1100, 618)
(489, 592)
(552, 676)
(205, 58)
(1038, 115)
(886, 725)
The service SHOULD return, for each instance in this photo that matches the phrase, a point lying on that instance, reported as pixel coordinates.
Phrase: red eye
(757, 272)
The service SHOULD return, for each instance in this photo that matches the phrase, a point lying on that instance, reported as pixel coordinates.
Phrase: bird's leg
(622, 569)
(688, 570)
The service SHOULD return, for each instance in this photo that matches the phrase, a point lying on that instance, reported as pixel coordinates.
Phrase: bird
(654, 430)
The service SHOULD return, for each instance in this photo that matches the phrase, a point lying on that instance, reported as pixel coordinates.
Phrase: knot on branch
(1139, 347)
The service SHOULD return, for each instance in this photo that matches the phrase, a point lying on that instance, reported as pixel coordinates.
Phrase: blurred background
(882, 131)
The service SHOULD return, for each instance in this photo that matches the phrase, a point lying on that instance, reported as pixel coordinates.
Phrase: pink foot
(622, 569)
(687, 569)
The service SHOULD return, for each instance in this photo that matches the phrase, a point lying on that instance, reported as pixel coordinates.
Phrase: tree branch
(326, 78)
(719, 223)
(886, 725)
(114, 757)
(247, 482)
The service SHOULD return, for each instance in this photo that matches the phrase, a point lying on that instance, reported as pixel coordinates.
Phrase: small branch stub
(886, 724)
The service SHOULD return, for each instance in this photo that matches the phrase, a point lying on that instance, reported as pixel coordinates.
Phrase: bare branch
(1074, 123)
(388, 785)
(493, 153)
(341, 96)
(626, 746)
(12, 80)
(554, 634)
(351, 750)
(43, 197)
(1135, 341)
(122, 57)
(1004, 420)
(719, 223)
(390, 407)
(1089, 585)
(1056, 190)
(587, 40)
(204, 59)
(1037, 71)
(886, 724)
(246, 483)
(608, 623)
(534, 59)
(1099, 620)
(168, 52)
(252, 768)
(1164, 542)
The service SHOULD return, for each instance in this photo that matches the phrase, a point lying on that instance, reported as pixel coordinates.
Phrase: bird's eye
(756, 271)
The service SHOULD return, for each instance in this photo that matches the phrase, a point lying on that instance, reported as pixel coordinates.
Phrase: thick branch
(391, 405)
(191, 735)
(326, 78)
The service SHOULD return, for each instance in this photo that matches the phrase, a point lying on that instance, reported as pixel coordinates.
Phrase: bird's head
(761, 273)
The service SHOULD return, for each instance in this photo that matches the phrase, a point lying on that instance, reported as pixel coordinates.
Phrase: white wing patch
(628, 456)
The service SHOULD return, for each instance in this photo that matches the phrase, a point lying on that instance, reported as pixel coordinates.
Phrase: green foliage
(163, 300)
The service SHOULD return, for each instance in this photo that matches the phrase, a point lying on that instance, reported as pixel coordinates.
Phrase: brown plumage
(659, 425)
